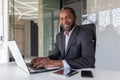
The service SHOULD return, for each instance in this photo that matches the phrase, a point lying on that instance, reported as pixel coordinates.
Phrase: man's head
(67, 18)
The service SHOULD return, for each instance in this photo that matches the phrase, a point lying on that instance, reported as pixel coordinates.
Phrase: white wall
(107, 16)
(3, 47)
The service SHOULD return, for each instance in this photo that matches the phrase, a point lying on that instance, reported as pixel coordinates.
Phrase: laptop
(21, 63)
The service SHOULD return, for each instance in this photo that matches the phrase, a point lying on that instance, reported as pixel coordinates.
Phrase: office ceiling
(28, 9)
(24, 9)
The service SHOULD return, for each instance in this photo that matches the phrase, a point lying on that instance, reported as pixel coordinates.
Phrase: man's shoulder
(60, 33)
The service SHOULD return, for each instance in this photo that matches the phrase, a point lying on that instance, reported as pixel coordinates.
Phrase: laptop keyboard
(34, 68)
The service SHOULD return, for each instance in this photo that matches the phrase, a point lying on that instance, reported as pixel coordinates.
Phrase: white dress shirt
(67, 37)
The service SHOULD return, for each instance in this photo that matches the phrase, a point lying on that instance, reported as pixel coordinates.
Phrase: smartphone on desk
(86, 73)
(66, 72)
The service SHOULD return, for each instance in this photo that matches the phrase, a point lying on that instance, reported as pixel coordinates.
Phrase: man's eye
(68, 17)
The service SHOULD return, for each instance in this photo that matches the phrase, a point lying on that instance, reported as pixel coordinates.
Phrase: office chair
(91, 27)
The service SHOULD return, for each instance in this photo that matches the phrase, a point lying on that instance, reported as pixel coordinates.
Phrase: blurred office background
(33, 24)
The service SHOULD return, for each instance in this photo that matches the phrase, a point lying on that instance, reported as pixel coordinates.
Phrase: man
(73, 48)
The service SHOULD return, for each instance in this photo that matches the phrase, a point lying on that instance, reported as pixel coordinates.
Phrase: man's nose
(65, 20)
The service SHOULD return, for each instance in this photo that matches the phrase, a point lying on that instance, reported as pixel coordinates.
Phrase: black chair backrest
(91, 27)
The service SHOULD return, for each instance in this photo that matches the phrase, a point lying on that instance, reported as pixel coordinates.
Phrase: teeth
(66, 25)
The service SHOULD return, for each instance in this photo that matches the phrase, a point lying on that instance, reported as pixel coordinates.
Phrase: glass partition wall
(11, 22)
(106, 15)
(48, 25)
(20, 15)
(11, 18)
(24, 15)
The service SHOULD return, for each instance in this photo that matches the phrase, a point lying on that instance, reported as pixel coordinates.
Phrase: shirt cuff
(65, 64)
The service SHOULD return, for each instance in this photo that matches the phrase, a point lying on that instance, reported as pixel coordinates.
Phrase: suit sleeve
(87, 59)
(55, 55)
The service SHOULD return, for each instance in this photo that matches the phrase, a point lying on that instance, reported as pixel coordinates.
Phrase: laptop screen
(17, 55)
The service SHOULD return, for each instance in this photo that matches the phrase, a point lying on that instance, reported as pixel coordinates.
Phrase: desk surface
(10, 71)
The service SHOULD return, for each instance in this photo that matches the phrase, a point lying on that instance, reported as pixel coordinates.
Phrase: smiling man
(74, 47)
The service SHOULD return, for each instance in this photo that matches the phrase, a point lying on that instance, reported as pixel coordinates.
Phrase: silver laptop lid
(17, 55)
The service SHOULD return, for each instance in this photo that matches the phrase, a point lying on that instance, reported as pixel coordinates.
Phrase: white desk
(10, 71)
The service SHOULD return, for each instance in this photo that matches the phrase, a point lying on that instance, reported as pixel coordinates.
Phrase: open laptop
(20, 61)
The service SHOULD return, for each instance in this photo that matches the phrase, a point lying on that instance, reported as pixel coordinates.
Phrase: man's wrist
(59, 63)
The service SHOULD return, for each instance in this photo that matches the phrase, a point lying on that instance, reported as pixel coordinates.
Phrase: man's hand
(45, 62)
(38, 62)
(53, 63)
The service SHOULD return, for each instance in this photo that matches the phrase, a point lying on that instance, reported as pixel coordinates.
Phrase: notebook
(21, 63)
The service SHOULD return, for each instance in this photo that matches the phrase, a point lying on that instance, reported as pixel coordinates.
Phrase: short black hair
(71, 10)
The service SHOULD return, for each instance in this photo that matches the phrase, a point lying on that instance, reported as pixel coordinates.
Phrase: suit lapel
(63, 45)
(72, 37)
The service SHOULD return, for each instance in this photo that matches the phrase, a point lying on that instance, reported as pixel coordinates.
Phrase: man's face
(67, 19)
